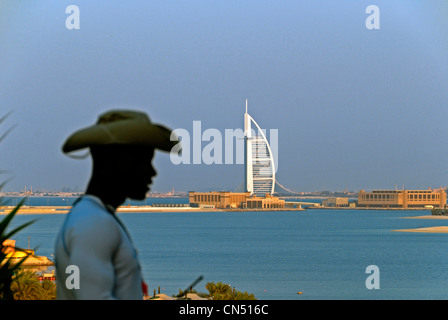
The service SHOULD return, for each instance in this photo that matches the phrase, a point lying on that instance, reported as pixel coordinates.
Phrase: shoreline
(428, 217)
(26, 210)
(128, 209)
(371, 208)
(125, 209)
(438, 229)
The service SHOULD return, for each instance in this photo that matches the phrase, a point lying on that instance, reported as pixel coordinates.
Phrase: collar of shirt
(99, 202)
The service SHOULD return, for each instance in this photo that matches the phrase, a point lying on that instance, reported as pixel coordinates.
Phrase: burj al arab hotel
(259, 175)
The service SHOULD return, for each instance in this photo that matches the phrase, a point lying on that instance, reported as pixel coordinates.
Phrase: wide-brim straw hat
(122, 127)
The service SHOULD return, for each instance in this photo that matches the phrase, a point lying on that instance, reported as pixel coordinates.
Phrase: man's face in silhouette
(128, 167)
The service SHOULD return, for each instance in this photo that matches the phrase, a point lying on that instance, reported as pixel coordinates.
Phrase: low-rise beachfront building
(402, 198)
(225, 199)
(218, 199)
(335, 202)
(268, 202)
(14, 255)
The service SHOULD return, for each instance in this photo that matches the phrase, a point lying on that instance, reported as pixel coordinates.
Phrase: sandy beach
(429, 217)
(440, 229)
(35, 210)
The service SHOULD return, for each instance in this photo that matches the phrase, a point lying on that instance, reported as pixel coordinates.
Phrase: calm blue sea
(321, 253)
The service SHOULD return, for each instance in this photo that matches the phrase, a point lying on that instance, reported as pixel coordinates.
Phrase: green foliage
(48, 290)
(223, 291)
(7, 268)
(26, 286)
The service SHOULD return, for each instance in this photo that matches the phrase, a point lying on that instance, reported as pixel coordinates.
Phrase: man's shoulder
(89, 211)
(89, 221)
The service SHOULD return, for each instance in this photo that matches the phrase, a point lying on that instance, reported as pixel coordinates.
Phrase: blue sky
(354, 108)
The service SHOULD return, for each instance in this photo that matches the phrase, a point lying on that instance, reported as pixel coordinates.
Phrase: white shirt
(96, 242)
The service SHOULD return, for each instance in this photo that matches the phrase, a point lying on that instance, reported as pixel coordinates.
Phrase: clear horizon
(280, 191)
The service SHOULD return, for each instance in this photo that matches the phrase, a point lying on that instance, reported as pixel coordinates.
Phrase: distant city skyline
(355, 107)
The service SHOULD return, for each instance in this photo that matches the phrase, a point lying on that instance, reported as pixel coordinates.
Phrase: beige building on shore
(335, 202)
(225, 199)
(268, 202)
(218, 199)
(14, 255)
(402, 198)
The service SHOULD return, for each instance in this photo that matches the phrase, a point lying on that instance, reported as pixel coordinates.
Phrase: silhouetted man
(95, 257)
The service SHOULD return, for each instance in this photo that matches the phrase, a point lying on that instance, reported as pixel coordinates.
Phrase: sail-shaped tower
(259, 176)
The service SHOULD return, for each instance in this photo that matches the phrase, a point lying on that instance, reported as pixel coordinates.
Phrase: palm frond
(5, 222)
(7, 131)
(11, 233)
(3, 136)
(5, 116)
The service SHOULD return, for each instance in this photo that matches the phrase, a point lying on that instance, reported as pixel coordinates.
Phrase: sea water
(322, 253)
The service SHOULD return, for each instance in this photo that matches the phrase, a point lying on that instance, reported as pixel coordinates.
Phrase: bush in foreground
(26, 286)
(223, 291)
